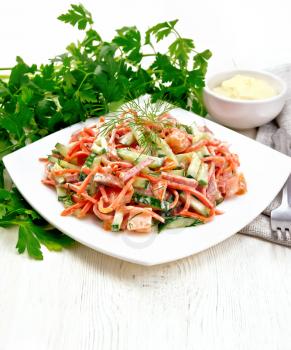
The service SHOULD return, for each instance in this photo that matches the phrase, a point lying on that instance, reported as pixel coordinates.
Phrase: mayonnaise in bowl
(243, 99)
(244, 87)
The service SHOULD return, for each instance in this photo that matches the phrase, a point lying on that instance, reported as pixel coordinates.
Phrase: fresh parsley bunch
(91, 78)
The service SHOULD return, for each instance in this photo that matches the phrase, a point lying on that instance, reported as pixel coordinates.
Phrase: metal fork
(281, 216)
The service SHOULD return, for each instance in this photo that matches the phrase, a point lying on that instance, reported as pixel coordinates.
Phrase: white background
(236, 295)
(240, 33)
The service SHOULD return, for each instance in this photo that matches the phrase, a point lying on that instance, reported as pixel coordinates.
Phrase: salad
(139, 170)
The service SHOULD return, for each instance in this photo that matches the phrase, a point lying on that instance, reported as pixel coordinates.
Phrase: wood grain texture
(233, 296)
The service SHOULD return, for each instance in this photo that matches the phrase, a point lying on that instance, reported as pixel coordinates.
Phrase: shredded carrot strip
(89, 198)
(196, 146)
(218, 212)
(196, 216)
(66, 171)
(117, 201)
(43, 159)
(176, 200)
(121, 164)
(191, 190)
(48, 182)
(72, 208)
(85, 210)
(83, 194)
(76, 154)
(169, 166)
(187, 201)
(87, 180)
(134, 209)
(86, 171)
(75, 198)
(107, 225)
(151, 178)
(217, 159)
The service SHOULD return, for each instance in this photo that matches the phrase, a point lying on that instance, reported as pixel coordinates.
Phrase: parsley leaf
(27, 240)
(160, 31)
(77, 15)
(180, 50)
(33, 231)
(129, 39)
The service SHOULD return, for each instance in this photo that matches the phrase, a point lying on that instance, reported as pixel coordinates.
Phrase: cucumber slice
(203, 152)
(135, 157)
(197, 134)
(98, 150)
(100, 145)
(52, 159)
(200, 135)
(61, 193)
(184, 157)
(151, 201)
(89, 161)
(117, 221)
(140, 182)
(96, 161)
(166, 149)
(179, 172)
(92, 188)
(194, 166)
(67, 165)
(202, 176)
(64, 196)
(127, 139)
(59, 179)
(62, 149)
(177, 222)
(199, 207)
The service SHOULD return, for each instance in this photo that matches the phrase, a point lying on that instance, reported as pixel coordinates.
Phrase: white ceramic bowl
(243, 114)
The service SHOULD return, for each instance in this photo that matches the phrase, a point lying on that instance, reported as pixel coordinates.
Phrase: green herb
(32, 231)
(138, 115)
(77, 15)
(93, 77)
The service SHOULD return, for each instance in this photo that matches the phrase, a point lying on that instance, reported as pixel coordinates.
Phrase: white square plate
(265, 170)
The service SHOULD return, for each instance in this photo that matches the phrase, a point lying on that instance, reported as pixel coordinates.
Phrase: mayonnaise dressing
(243, 87)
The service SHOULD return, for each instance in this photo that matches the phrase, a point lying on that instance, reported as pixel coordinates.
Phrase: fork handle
(286, 194)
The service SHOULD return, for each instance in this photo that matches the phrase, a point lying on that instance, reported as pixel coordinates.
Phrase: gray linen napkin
(261, 226)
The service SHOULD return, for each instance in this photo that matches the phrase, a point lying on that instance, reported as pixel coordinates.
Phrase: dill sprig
(139, 115)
